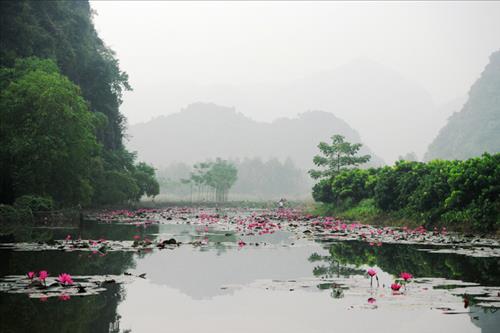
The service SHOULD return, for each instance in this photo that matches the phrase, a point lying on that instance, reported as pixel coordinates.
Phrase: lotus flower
(395, 286)
(137, 237)
(241, 243)
(65, 279)
(31, 275)
(64, 297)
(42, 275)
(406, 276)
(372, 273)
(371, 300)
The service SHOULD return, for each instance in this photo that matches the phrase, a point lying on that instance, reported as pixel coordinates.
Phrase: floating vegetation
(64, 286)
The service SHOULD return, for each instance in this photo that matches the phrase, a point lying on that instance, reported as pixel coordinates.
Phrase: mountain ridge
(207, 130)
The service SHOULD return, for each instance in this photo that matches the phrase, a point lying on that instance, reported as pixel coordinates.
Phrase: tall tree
(221, 176)
(338, 155)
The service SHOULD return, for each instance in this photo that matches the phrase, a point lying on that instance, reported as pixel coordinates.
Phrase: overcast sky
(443, 46)
(178, 53)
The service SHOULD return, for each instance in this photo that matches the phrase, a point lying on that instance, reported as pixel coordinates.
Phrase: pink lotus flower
(68, 238)
(137, 237)
(395, 286)
(241, 243)
(64, 297)
(372, 273)
(31, 275)
(371, 300)
(42, 275)
(406, 276)
(65, 279)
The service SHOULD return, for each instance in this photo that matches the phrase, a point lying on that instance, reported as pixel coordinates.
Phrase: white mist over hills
(207, 131)
(391, 114)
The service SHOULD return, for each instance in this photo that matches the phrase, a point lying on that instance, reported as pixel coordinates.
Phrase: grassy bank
(367, 212)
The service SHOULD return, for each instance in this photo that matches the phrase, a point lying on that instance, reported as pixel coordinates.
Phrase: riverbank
(366, 212)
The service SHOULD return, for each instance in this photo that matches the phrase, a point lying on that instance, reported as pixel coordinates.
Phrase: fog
(393, 71)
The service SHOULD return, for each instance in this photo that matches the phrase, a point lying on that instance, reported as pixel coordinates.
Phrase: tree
(144, 176)
(337, 156)
(47, 133)
(221, 176)
(64, 31)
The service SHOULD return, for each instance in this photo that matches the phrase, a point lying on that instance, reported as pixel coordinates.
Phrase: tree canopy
(61, 128)
(47, 132)
(336, 156)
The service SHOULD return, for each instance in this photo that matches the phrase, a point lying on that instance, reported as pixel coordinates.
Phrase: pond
(237, 270)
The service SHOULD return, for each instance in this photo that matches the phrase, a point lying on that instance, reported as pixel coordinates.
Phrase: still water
(222, 279)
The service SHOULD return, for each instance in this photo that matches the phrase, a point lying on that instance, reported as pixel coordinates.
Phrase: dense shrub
(460, 192)
(34, 203)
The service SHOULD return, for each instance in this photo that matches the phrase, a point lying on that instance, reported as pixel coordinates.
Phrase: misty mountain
(203, 131)
(476, 128)
(392, 113)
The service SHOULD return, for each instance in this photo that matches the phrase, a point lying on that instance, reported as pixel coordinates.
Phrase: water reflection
(275, 283)
(97, 313)
(396, 258)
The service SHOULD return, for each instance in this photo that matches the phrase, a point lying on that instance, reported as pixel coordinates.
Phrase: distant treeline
(461, 193)
(256, 179)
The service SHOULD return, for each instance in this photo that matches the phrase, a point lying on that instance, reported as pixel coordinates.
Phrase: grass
(366, 212)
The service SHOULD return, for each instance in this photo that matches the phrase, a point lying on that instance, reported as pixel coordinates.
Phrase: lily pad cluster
(64, 286)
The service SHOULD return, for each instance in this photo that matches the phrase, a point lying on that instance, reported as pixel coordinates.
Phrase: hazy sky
(442, 47)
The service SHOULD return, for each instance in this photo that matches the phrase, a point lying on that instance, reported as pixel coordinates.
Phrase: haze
(271, 60)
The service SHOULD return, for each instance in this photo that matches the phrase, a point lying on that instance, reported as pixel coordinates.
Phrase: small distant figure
(281, 203)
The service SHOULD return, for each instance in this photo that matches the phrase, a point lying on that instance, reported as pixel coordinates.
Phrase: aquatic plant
(372, 273)
(395, 286)
(406, 276)
(65, 279)
(42, 275)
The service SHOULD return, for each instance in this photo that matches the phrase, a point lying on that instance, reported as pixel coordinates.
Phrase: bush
(11, 217)
(34, 203)
(322, 191)
(465, 193)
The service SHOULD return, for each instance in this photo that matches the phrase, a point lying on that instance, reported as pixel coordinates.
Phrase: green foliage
(352, 186)
(322, 191)
(116, 187)
(213, 178)
(450, 192)
(339, 155)
(259, 179)
(144, 176)
(47, 134)
(365, 209)
(34, 203)
(221, 176)
(60, 126)
(11, 216)
(63, 31)
(118, 180)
